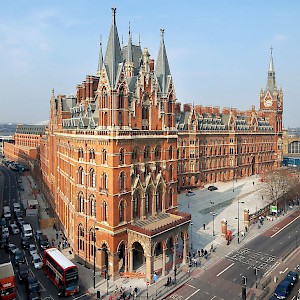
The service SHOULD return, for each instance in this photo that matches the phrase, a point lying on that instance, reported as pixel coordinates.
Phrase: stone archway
(122, 257)
(138, 256)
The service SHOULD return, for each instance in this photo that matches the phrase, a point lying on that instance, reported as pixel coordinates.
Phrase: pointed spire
(129, 47)
(113, 54)
(271, 82)
(162, 67)
(100, 61)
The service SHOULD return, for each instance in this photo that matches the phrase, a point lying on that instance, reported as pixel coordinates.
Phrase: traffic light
(244, 295)
(98, 295)
(244, 278)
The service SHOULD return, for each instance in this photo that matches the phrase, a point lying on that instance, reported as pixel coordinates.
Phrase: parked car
(34, 296)
(212, 188)
(18, 213)
(13, 228)
(23, 272)
(44, 243)
(32, 249)
(293, 276)
(16, 205)
(38, 234)
(6, 213)
(283, 289)
(25, 242)
(10, 248)
(36, 261)
(5, 231)
(20, 221)
(32, 285)
(19, 257)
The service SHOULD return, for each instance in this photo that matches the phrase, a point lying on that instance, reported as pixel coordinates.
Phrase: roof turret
(100, 61)
(113, 56)
(162, 67)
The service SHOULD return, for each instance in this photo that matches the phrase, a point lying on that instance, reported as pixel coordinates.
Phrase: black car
(25, 242)
(23, 272)
(19, 257)
(20, 221)
(34, 296)
(32, 285)
(10, 248)
(212, 188)
(44, 243)
(292, 277)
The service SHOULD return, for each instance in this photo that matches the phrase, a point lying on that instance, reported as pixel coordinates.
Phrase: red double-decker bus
(61, 271)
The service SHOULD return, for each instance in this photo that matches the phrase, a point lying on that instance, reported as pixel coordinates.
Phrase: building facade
(114, 156)
(215, 145)
(108, 163)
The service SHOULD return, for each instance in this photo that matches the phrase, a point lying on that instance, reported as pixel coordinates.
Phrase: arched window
(105, 182)
(92, 236)
(147, 153)
(92, 177)
(121, 97)
(80, 202)
(134, 155)
(92, 202)
(157, 153)
(105, 98)
(92, 154)
(104, 157)
(135, 205)
(120, 118)
(121, 156)
(105, 119)
(104, 211)
(147, 208)
(80, 153)
(170, 172)
(80, 176)
(80, 237)
(122, 181)
(170, 152)
(157, 201)
(121, 211)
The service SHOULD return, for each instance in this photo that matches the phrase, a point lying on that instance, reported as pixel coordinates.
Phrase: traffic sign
(148, 283)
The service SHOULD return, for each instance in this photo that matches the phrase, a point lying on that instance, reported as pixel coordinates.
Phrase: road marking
(284, 227)
(192, 294)
(81, 296)
(225, 269)
(190, 285)
(281, 272)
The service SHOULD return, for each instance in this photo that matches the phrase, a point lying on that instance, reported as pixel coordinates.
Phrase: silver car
(36, 261)
(32, 249)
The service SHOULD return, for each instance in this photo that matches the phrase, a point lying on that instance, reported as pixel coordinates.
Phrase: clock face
(268, 102)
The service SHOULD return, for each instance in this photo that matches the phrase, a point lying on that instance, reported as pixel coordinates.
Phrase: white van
(6, 212)
(27, 230)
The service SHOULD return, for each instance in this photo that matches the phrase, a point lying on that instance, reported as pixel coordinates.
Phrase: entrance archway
(121, 252)
(138, 255)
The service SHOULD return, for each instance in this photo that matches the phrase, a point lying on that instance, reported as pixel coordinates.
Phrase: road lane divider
(284, 227)
(225, 270)
(190, 296)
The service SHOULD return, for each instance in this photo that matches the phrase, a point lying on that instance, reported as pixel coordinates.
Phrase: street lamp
(238, 218)
(191, 235)
(213, 215)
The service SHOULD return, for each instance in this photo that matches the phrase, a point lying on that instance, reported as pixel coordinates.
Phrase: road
(223, 280)
(11, 195)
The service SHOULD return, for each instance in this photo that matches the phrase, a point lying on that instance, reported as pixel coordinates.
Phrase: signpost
(148, 283)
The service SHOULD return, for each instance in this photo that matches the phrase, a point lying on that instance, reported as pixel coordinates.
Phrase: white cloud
(281, 37)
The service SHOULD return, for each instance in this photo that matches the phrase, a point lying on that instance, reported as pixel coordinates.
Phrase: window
(147, 153)
(121, 156)
(171, 172)
(92, 178)
(104, 98)
(157, 201)
(92, 206)
(121, 97)
(170, 198)
(104, 211)
(104, 181)
(170, 152)
(134, 155)
(104, 157)
(121, 211)
(147, 208)
(92, 154)
(92, 241)
(122, 181)
(135, 206)
(157, 153)
(80, 202)
(80, 153)
(80, 237)
(80, 176)
(120, 118)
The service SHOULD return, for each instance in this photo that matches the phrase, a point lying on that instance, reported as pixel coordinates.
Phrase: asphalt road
(10, 195)
(223, 280)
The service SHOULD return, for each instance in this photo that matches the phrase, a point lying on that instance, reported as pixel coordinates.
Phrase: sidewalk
(224, 203)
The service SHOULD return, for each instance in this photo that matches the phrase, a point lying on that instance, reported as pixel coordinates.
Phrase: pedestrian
(52, 242)
(58, 246)
(253, 182)
(211, 248)
(56, 235)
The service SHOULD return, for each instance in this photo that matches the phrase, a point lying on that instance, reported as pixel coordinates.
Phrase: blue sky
(218, 50)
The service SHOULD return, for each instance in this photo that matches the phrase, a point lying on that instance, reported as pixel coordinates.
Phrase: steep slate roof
(162, 70)
(31, 129)
(113, 55)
